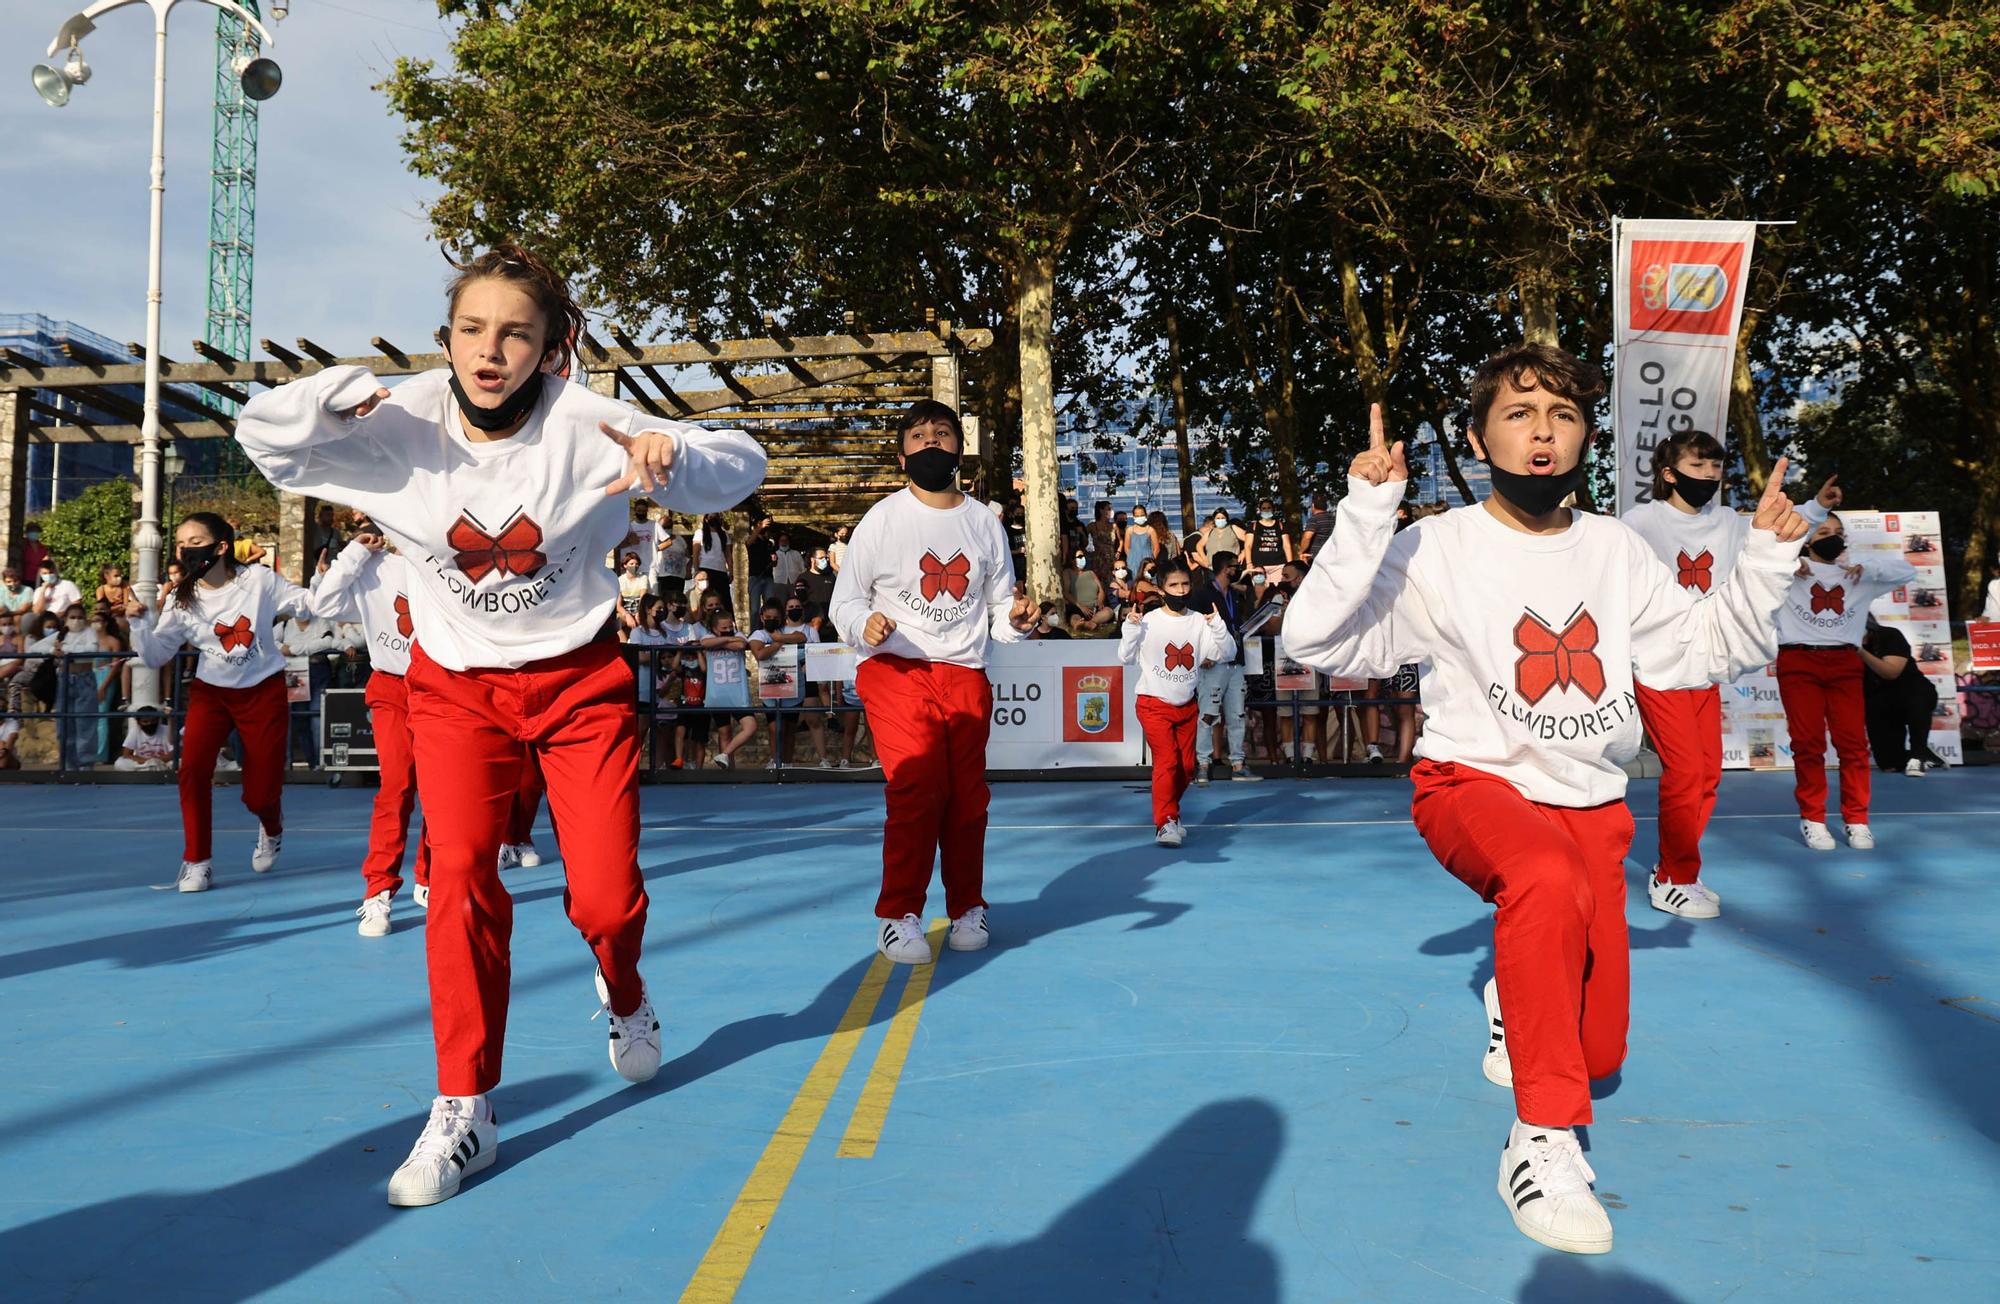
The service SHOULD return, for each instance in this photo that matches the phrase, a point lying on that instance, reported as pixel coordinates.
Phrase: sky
(343, 250)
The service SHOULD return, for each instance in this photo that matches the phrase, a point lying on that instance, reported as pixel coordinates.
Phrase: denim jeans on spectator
(1221, 696)
(77, 692)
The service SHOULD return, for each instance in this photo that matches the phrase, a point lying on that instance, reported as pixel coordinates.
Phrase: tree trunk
(1977, 565)
(1177, 382)
(1536, 290)
(1291, 504)
(1746, 423)
(1004, 408)
(1035, 311)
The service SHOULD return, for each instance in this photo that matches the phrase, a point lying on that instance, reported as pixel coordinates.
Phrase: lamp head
(51, 85)
(261, 78)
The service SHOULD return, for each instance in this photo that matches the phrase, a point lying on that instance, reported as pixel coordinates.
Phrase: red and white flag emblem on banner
(1677, 299)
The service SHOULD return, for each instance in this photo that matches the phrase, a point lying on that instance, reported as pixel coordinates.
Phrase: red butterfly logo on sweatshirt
(1694, 571)
(1180, 656)
(236, 635)
(1833, 599)
(404, 625)
(514, 551)
(1549, 660)
(944, 576)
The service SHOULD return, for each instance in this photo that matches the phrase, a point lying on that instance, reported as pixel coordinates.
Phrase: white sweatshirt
(1700, 548)
(230, 626)
(373, 588)
(1530, 641)
(943, 575)
(1824, 608)
(1169, 651)
(503, 539)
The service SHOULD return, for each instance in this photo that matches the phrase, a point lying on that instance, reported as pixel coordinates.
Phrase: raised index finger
(616, 435)
(1378, 440)
(1776, 484)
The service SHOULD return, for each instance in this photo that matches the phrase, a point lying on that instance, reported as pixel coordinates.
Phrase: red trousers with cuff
(475, 730)
(1556, 875)
(388, 699)
(520, 820)
(1821, 690)
(260, 715)
(1170, 732)
(930, 721)
(1685, 725)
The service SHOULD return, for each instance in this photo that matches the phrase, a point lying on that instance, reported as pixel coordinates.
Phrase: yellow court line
(728, 1258)
(871, 1113)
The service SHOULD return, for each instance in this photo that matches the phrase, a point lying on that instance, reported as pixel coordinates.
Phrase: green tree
(91, 531)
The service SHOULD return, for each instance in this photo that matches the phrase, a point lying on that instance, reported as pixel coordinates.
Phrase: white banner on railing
(1677, 299)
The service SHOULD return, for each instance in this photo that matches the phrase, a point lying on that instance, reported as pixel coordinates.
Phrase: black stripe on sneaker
(1523, 1201)
(1516, 1176)
(472, 1139)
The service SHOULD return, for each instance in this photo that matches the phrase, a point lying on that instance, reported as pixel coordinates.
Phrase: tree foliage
(91, 531)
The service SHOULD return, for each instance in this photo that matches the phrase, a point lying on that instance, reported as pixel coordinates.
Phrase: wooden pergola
(819, 404)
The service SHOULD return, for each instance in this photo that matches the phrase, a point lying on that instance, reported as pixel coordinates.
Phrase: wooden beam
(888, 352)
(280, 352)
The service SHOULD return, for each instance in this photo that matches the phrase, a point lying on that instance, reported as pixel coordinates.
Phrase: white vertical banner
(1677, 300)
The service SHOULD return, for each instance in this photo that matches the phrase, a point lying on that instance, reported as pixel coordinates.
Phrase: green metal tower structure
(232, 216)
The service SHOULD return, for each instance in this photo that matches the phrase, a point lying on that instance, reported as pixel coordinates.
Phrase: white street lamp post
(54, 86)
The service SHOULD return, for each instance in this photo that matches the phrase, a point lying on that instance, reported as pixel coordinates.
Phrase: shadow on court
(1174, 1225)
(1567, 1279)
(239, 1241)
(1477, 937)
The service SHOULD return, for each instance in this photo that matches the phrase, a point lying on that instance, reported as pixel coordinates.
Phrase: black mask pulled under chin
(511, 409)
(1537, 495)
(1696, 493)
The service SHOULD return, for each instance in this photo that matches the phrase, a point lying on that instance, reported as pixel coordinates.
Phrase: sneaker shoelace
(1559, 1167)
(374, 903)
(973, 920)
(448, 1125)
(908, 929)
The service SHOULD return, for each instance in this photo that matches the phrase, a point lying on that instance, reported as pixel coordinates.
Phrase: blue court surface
(1244, 1071)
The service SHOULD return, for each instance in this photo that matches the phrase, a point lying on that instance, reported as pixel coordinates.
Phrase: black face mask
(197, 559)
(1175, 602)
(1828, 548)
(511, 409)
(932, 469)
(1696, 493)
(1537, 495)
(773, 622)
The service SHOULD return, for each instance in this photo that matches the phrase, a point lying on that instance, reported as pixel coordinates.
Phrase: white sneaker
(1915, 769)
(421, 894)
(374, 914)
(194, 876)
(1201, 774)
(461, 1138)
(1374, 753)
(1688, 900)
(826, 762)
(1817, 836)
(635, 1037)
(505, 859)
(1545, 1182)
(265, 858)
(1860, 837)
(1170, 834)
(903, 940)
(526, 854)
(722, 761)
(968, 931)
(1497, 1067)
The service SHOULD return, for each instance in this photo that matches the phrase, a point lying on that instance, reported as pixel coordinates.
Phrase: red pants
(388, 699)
(1170, 734)
(475, 730)
(1685, 725)
(259, 714)
(1557, 876)
(1821, 690)
(930, 722)
(520, 819)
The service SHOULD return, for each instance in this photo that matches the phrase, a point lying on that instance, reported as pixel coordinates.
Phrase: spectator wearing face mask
(76, 697)
(112, 588)
(1124, 586)
(1106, 543)
(149, 743)
(775, 633)
(1219, 536)
(1302, 737)
(1270, 545)
(1141, 543)
(819, 583)
(836, 552)
(54, 595)
(1221, 688)
(788, 567)
(1049, 623)
(1086, 594)
(727, 685)
(633, 584)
